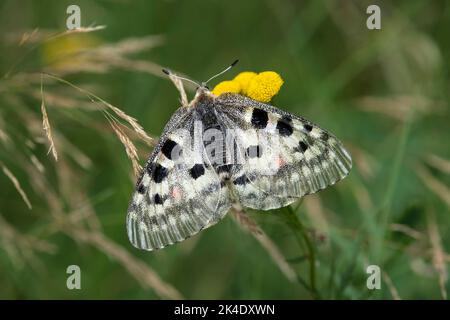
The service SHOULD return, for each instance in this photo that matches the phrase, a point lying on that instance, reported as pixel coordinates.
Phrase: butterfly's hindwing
(293, 157)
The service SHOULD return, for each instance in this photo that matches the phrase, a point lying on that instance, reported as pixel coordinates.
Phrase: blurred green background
(384, 93)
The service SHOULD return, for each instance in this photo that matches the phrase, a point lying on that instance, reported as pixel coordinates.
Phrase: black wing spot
(168, 148)
(302, 146)
(284, 126)
(259, 118)
(158, 199)
(141, 188)
(242, 180)
(324, 136)
(159, 172)
(308, 127)
(197, 171)
(254, 151)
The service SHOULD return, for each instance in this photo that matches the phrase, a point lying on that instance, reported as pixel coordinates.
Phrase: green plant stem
(392, 184)
(302, 238)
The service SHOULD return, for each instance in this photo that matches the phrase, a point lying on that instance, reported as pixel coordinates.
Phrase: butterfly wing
(286, 156)
(178, 193)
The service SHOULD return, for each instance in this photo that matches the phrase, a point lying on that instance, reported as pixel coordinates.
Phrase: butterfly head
(203, 93)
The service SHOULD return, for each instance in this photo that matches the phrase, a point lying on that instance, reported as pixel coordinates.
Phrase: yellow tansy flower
(227, 86)
(261, 87)
(244, 79)
(264, 86)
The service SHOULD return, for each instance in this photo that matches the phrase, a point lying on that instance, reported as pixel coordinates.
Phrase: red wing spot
(280, 162)
(176, 193)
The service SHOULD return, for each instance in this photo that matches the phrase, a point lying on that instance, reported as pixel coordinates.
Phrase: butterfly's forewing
(286, 156)
(178, 193)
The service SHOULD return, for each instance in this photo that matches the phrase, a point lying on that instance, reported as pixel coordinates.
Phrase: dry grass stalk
(21, 248)
(439, 163)
(76, 30)
(406, 230)
(41, 35)
(422, 268)
(398, 107)
(438, 253)
(46, 126)
(180, 87)
(126, 141)
(133, 122)
(16, 184)
(103, 58)
(245, 221)
(391, 287)
(35, 161)
(85, 29)
(73, 191)
(3, 136)
(440, 189)
(8, 232)
(316, 213)
(62, 100)
(99, 101)
(136, 65)
(138, 269)
(129, 147)
(129, 46)
(366, 163)
(84, 212)
(362, 196)
(72, 151)
(113, 55)
(47, 39)
(250, 225)
(27, 36)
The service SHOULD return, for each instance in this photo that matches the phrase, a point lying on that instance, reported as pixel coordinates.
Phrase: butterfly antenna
(220, 73)
(170, 73)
